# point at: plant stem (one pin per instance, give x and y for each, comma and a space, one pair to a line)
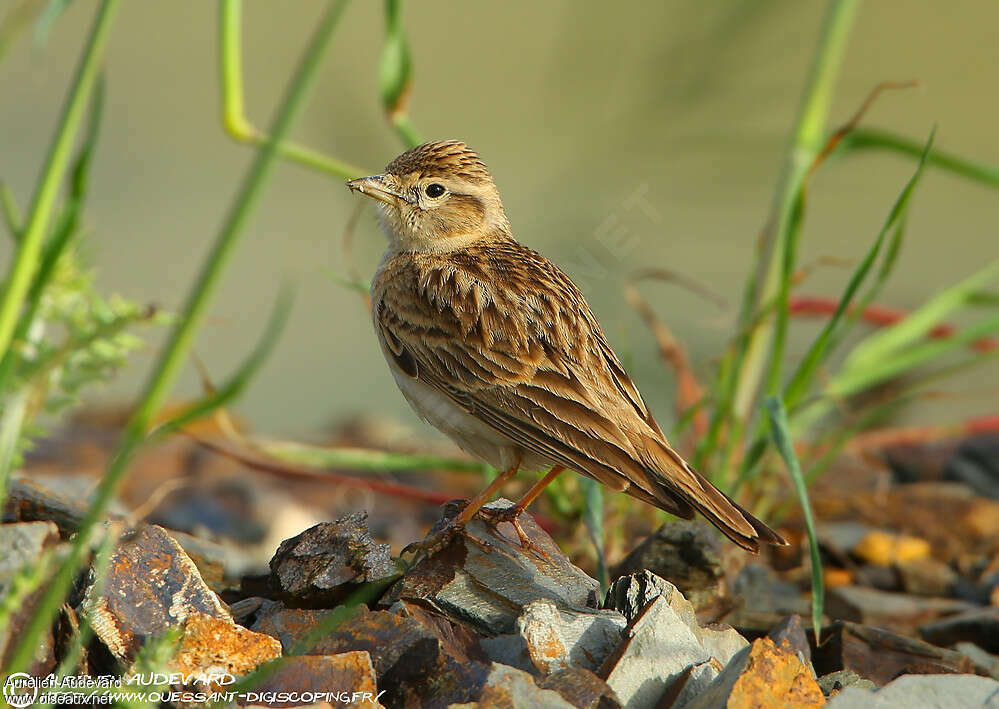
26, 261
175, 353
234, 118
807, 140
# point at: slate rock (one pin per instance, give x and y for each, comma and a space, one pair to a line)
764, 598
980, 626
835, 682
880, 655
420, 658
762, 675
789, 634
320, 566
923, 692
483, 577
633, 594
898, 611
548, 638
581, 688
976, 464
152, 584
31, 501
350, 674
658, 649
987, 662
687, 553
22, 544
287, 625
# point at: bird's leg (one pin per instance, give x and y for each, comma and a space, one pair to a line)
512, 514
472, 507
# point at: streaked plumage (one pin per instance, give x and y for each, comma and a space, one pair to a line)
494, 345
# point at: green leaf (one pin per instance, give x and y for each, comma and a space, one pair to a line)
593, 518
804, 374
782, 439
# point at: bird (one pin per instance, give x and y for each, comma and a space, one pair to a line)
494, 345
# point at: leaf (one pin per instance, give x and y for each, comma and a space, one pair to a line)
782, 439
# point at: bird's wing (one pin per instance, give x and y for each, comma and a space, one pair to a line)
529, 359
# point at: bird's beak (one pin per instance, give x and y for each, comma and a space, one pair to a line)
375, 186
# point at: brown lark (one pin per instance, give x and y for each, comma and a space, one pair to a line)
495, 346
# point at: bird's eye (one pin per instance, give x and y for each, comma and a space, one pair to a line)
434, 190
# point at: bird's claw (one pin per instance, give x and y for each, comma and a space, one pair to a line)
494, 517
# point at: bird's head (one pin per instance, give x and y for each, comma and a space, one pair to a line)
436, 197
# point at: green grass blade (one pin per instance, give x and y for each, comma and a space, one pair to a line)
593, 518
395, 70
362, 459
26, 261
174, 355
856, 379
782, 439
918, 324
804, 374
874, 139
236, 384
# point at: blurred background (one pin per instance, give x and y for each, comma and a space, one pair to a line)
650, 135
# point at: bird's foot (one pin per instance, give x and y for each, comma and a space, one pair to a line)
494, 517
449, 528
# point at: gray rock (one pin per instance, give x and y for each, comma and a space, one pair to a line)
632, 594
871, 606
987, 662
718, 690
659, 648
483, 577
980, 626
765, 599
790, 632
548, 638
837, 681
22, 545
321, 565
687, 553
151, 585
923, 692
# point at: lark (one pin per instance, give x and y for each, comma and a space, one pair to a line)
494, 345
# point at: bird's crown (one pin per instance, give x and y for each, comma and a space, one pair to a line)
441, 157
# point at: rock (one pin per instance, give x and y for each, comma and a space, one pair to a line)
765, 598
834, 682
226, 508
581, 688
633, 594
789, 634
687, 553
324, 563
762, 675
986, 663
29, 501
510, 688
977, 626
897, 611
927, 577
22, 545
923, 692
288, 625
880, 656
548, 638
659, 647
976, 464
349, 675
151, 585
212, 645
420, 658
483, 577
841, 537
